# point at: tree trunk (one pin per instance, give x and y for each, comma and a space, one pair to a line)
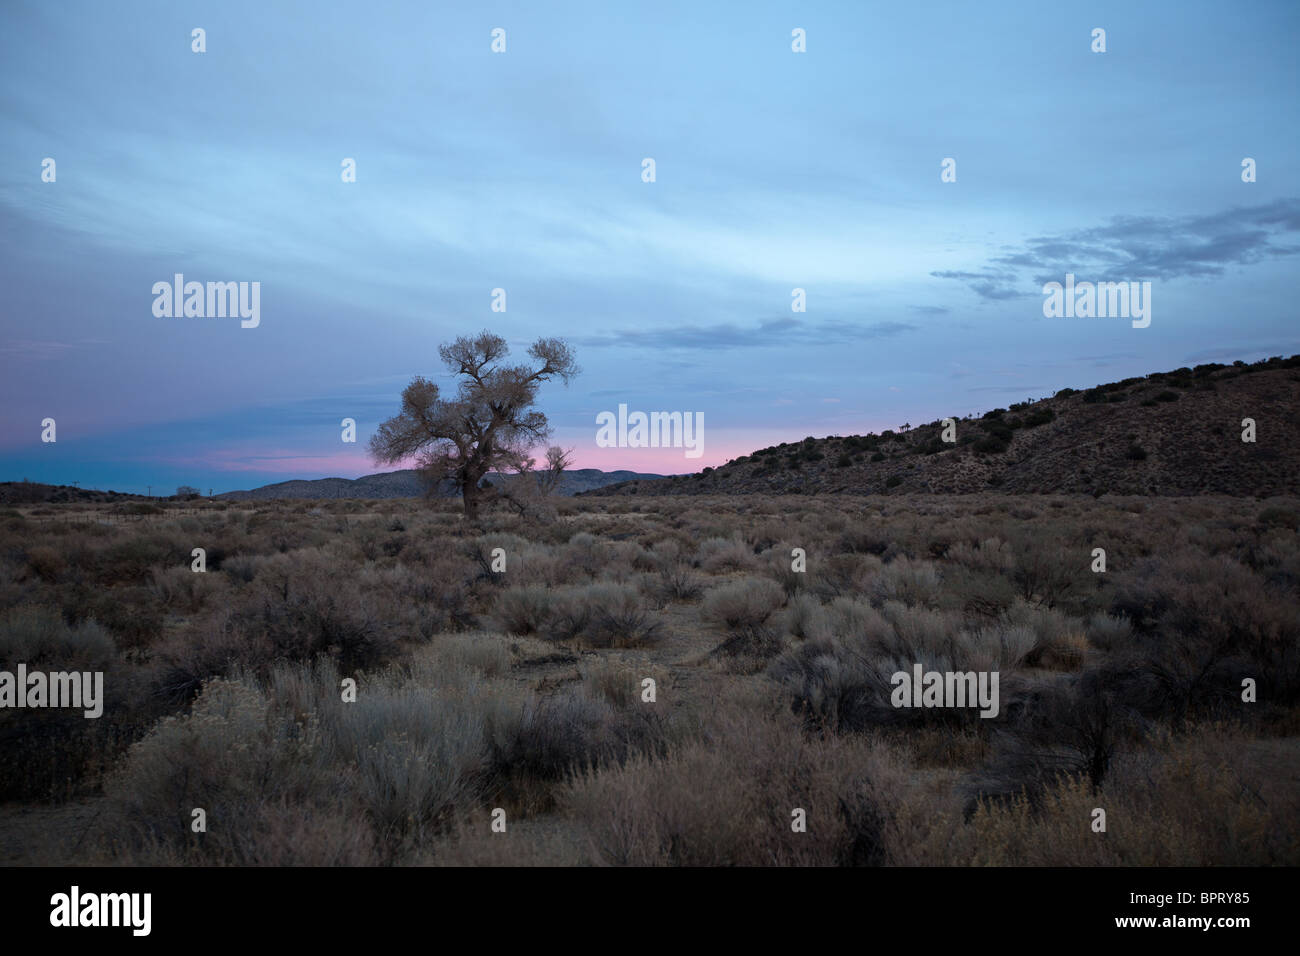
472, 495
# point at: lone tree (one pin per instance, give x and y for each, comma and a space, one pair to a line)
489, 426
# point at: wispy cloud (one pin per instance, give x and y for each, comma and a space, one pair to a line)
1243, 352
728, 335
37, 351
275, 462
991, 284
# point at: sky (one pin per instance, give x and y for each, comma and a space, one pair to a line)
522, 170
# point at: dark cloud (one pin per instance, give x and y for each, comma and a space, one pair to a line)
1136, 248
1154, 247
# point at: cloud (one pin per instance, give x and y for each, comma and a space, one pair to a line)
992, 284
728, 335
275, 461
1133, 248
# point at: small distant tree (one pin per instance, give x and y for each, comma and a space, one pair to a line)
529, 490
490, 424
187, 491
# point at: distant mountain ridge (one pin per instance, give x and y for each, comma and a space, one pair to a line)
1169, 433
39, 493
406, 483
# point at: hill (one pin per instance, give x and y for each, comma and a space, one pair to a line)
1168, 433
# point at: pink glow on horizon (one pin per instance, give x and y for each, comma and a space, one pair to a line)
277, 463
657, 461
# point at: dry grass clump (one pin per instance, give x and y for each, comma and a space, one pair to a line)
419, 753
621, 681
843, 575
597, 615
674, 580
742, 604
804, 618
482, 652
728, 798
187, 591
717, 554
914, 583
38, 636
526, 609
